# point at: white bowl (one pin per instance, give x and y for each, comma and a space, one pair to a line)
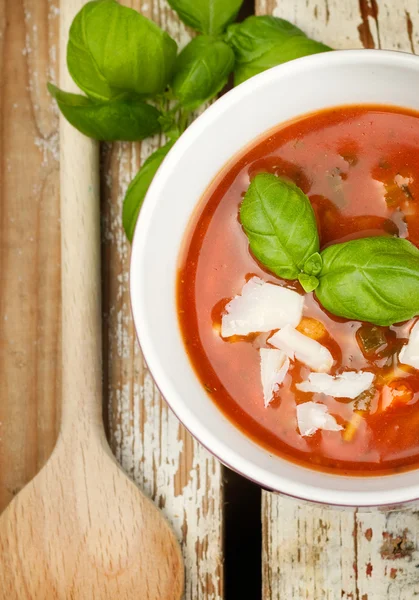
228, 126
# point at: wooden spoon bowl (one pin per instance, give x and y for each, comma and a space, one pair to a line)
81, 530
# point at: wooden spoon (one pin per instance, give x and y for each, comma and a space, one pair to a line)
81, 530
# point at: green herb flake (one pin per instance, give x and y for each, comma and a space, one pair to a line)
371, 339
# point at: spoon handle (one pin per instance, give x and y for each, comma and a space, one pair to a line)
80, 261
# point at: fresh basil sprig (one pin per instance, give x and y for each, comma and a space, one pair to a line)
260, 43
119, 59
201, 70
113, 50
207, 16
125, 119
371, 279
279, 222
374, 279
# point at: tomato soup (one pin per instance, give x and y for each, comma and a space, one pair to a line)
359, 167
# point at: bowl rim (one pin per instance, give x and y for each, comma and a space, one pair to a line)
224, 453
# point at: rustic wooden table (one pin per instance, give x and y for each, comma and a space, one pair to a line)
308, 552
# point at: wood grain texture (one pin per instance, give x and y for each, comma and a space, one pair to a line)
310, 552
81, 529
147, 439
30, 312
172, 468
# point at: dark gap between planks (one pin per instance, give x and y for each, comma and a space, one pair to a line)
242, 538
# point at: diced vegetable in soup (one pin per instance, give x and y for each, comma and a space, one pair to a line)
298, 291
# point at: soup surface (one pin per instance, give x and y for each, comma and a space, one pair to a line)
359, 166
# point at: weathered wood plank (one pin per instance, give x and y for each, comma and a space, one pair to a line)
303, 553
310, 552
29, 242
173, 469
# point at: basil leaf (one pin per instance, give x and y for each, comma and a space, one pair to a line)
371, 279
309, 282
260, 43
124, 120
138, 187
279, 222
201, 71
254, 36
207, 16
313, 264
114, 51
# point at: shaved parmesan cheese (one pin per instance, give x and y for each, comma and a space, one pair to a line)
402, 182
312, 416
409, 354
261, 307
274, 365
346, 385
298, 346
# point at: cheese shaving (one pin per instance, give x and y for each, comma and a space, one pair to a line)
409, 354
298, 346
261, 307
347, 385
312, 416
274, 365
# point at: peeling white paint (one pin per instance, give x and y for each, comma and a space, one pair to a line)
50, 148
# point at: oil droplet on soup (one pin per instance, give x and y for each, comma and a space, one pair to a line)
359, 167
